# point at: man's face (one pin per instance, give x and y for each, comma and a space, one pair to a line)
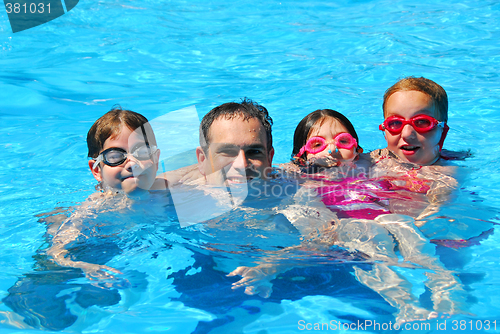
237, 152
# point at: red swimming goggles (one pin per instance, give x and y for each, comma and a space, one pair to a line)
318, 144
421, 124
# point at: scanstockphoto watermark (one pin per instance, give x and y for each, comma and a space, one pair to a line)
365, 325
232, 182
26, 14
339, 180
464, 326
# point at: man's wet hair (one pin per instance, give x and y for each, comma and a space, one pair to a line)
247, 109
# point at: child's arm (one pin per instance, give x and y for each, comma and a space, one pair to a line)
442, 189
59, 255
427, 186
307, 215
257, 280
67, 233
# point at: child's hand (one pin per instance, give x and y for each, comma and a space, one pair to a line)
101, 273
324, 161
256, 280
414, 313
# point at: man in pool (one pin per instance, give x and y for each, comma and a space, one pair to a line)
235, 146
236, 143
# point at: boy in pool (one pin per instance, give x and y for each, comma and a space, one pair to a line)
124, 160
123, 152
328, 137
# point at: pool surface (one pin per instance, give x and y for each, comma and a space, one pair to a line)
293, 57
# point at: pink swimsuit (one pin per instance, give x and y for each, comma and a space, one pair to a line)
355, 198
364, 198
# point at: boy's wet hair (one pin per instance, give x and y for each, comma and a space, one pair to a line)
308, 123
426, 86
109, 126
246, 109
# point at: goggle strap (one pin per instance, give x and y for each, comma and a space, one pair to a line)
301, 152
97, 161
446, 128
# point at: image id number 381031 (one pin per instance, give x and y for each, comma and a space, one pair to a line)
25, 8
472, 325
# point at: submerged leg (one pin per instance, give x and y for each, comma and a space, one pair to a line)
373, 239
396, 290
447, 293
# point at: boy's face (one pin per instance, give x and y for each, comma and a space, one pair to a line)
238, 148
409, 145
132, 175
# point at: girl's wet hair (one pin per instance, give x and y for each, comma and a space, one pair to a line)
109, 126
306, 125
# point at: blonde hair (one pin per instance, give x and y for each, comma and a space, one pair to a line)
426, 86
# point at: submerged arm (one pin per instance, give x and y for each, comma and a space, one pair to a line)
69, 232
308, 217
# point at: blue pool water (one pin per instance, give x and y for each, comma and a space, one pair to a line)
156, 57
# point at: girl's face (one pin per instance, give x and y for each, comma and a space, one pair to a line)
410, 145
328, 128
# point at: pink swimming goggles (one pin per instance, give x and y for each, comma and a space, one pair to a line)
317, 144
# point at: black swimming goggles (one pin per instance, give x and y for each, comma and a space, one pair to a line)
116, 156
